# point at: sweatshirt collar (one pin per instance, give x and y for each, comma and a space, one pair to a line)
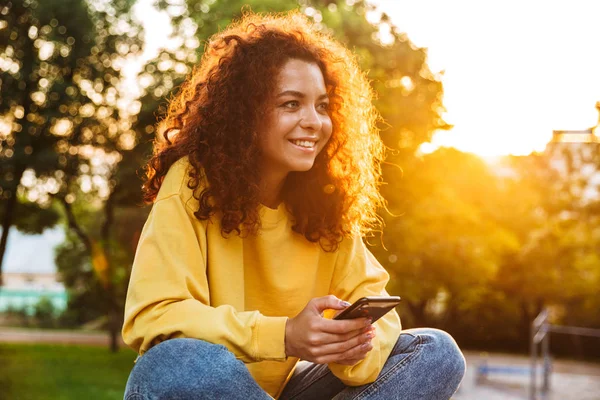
272, 216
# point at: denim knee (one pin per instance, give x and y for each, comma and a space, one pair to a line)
184, 369
450, 362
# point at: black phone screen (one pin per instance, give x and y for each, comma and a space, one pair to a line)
374, 307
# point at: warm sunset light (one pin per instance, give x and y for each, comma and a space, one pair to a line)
514, 71
219, 178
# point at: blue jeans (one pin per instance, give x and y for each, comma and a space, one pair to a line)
424, 364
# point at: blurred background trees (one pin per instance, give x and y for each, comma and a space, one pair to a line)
472, 247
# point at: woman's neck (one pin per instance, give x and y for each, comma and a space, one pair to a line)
270, 189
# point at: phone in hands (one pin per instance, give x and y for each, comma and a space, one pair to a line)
373, 307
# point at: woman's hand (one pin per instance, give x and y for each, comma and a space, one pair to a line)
311, 337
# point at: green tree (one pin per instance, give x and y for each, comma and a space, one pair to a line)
446, 242
36, 104
63, 100
45, 313
555, 262
113, 138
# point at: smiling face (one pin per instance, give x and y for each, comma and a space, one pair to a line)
298, 125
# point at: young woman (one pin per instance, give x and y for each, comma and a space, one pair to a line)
266, 180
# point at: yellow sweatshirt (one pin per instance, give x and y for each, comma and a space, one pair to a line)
189, 281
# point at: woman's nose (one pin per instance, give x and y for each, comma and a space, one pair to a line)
311, 119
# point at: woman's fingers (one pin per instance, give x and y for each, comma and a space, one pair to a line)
311, 337
320, 304
324, 338
348, 357
344, 343
343, 326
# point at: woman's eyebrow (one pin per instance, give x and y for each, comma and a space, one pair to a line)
298, 94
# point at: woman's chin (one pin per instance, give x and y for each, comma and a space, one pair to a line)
302, 167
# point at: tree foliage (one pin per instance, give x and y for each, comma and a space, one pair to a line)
67, 115
58, 90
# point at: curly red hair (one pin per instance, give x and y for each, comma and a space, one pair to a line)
214, 117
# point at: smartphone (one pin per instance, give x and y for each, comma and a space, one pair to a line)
374, 307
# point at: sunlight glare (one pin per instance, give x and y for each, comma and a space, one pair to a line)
513, 71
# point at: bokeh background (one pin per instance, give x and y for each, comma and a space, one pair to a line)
492, 175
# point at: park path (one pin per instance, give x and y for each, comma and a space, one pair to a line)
19, 335
571, 380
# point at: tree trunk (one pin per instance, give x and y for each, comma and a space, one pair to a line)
112, 309
87, 242
526, 320
112, 304
448, 317
113, 327
418, 312
9, 217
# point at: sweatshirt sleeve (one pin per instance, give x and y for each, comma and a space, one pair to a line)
359, 274
168, 294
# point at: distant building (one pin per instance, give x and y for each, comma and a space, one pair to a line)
578, 148
590, 135
23, 290
30, 273
574, 148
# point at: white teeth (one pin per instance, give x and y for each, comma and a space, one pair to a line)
304, 143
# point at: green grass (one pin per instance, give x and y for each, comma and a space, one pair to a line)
63, 372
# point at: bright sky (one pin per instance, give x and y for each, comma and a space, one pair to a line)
514, 70
32, 253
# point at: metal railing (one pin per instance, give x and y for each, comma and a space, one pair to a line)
540, 333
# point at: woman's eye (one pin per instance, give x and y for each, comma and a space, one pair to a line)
291, 104
323, 106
